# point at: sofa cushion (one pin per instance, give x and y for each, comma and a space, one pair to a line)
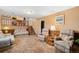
62, 44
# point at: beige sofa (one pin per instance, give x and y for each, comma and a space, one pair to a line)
20, 30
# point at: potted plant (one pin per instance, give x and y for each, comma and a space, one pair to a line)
77, 42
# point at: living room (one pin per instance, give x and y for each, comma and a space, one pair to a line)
50, 31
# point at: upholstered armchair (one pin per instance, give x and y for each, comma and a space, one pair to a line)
64, 41
6, 39
43, 35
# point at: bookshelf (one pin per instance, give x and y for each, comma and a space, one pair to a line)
12, 21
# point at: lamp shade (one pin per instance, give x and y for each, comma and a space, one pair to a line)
52, 28
6, 27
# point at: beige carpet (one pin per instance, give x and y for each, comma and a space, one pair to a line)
29, 44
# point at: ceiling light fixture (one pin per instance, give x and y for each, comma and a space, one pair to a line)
29, 12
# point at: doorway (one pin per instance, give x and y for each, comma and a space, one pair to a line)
42, 25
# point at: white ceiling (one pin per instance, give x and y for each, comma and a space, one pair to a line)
37, 11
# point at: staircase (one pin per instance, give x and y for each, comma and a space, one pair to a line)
31, 30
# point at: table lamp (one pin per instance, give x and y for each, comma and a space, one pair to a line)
52, 28
6, 29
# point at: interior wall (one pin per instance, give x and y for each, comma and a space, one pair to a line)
0, 23
36, 26
71, 19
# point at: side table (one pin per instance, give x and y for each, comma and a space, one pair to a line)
49, 40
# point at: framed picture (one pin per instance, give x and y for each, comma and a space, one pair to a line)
60, 19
